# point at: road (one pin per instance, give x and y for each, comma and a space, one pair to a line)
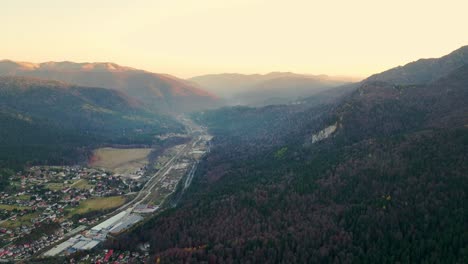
149, 185
159, 176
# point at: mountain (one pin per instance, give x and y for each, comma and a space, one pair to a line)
271, 88
383, 109
156, 91
375, 176
228, 84
424, 70
52, 121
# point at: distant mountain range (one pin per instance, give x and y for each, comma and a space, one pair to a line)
271, 88
160, 92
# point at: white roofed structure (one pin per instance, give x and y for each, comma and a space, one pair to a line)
59, 248
109, 223
91, 245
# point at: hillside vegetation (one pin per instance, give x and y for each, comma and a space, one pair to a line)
53, 122
387, 185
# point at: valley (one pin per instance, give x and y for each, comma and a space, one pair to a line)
72, 202
273, 146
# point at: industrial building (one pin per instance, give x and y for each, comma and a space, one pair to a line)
126, 223
97, 234
59, 248
109, 223
73, 244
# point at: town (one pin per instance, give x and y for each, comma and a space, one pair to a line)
50, 211
44, 204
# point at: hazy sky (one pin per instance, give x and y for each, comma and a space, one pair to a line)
192, 37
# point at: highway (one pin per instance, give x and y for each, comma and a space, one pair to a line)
160, 175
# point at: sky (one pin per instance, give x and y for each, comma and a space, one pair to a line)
194, 37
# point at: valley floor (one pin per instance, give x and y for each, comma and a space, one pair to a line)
137, 196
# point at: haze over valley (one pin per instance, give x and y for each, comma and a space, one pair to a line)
271, 88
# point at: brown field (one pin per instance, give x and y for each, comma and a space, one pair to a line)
122, 161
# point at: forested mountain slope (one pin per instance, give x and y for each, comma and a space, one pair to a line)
386, 184
383, 109
55, 122
424, 70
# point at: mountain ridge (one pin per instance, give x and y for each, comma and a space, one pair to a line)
161, 92
257, 89
424, 70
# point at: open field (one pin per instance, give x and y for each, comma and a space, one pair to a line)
97, 204
55, 186
24, 197
122, 161
79, 184
13, 207
82, 184
20, 221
